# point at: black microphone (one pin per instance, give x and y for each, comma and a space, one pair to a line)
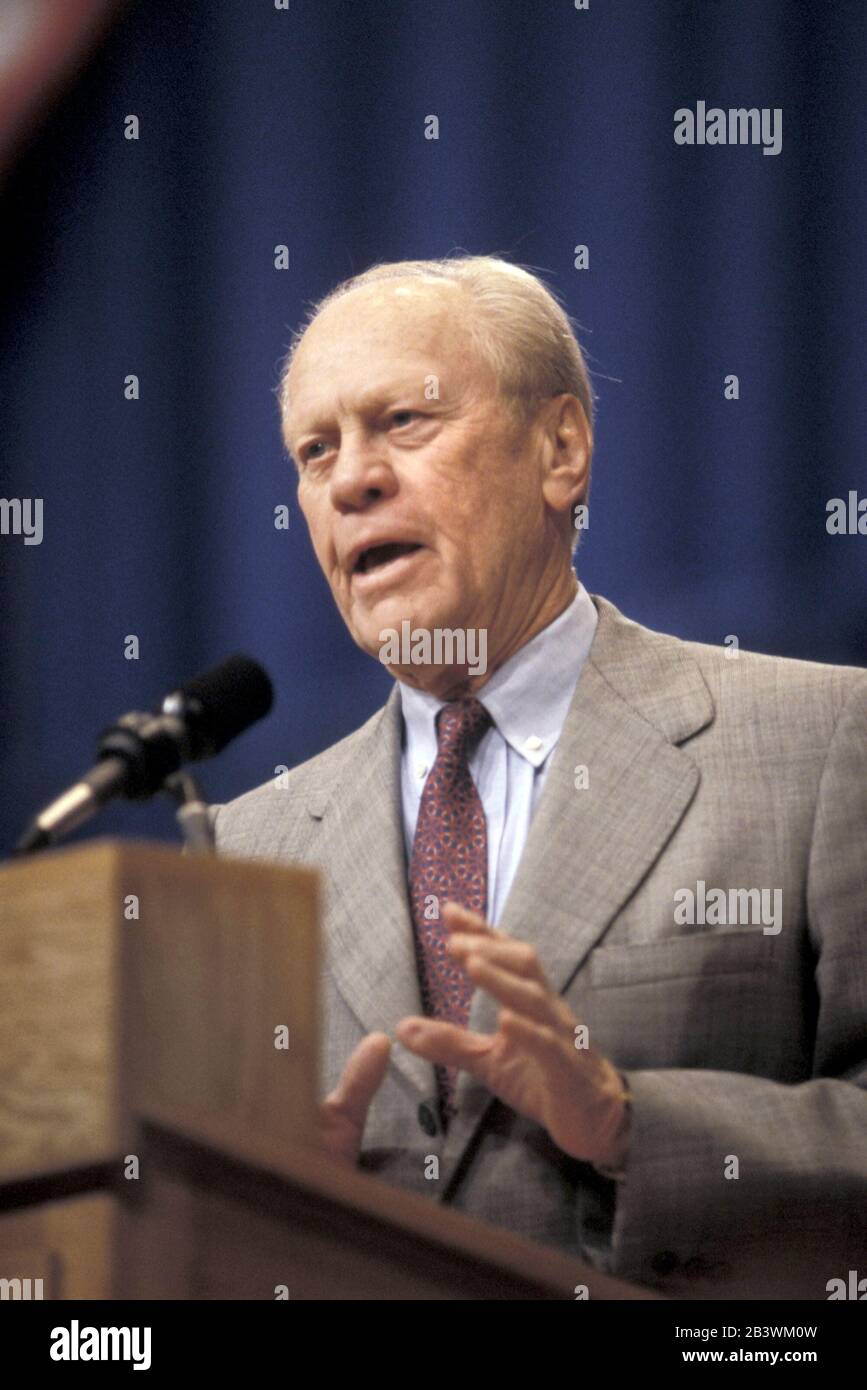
140, 751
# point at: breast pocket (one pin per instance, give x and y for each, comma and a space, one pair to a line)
718, 1001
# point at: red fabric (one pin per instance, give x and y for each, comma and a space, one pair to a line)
41, 43
449, 864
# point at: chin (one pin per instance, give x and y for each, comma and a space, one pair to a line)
392, 610
365, 630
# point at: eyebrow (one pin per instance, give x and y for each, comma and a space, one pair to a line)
371, 401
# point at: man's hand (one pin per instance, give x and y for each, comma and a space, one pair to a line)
531, 1063
343, 1113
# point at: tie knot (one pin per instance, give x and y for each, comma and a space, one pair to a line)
460, 724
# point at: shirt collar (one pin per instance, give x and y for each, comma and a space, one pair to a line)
528, 698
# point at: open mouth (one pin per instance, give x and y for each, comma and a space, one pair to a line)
376, 557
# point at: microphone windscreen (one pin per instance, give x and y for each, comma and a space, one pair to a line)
223, 702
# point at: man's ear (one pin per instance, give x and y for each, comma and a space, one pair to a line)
568, 448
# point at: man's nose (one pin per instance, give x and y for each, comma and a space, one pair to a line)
361, 473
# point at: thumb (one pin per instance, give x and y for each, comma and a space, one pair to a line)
361, 1078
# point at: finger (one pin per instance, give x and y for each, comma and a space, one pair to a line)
361, 1078
529, 998
539, 1040
458, 918
446, 1043
517, 956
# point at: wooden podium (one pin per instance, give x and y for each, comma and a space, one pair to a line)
158, 1086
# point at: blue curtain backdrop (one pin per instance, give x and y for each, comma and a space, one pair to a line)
305, 127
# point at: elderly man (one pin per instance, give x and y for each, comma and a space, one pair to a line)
555, 994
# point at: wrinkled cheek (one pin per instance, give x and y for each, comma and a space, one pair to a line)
340, 590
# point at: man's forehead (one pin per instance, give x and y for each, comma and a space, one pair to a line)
377, 335
421, 312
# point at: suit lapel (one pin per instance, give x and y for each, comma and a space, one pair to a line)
367, 921
638, 696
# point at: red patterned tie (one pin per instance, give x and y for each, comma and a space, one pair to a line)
449, 864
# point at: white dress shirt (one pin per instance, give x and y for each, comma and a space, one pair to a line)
528, 699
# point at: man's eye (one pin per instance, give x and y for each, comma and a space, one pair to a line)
309, 452
403, 417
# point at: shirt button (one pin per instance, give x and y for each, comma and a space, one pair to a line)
421, 769
532, 744
427, 1118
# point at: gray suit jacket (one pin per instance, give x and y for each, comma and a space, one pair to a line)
746, 1051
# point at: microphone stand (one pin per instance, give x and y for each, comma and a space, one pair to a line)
192, 816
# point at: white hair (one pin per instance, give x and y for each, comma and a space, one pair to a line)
519, 327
